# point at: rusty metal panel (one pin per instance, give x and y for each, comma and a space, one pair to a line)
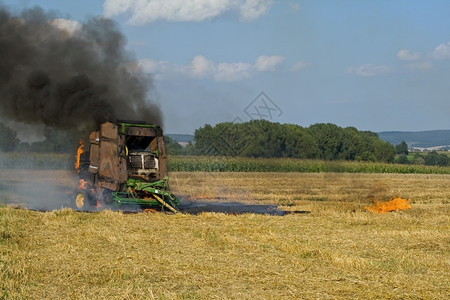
140, 131
108, 131
162, 158
108, 164
121, 141
114, 186
123, 170
154, 145
93, 151
93, 157
94, 137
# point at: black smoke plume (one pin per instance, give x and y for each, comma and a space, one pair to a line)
67, 78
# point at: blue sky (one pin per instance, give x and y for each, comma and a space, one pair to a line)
376, 65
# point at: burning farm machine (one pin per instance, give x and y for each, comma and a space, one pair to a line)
126, 165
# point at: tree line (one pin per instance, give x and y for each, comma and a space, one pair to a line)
264, 139
257, 139
261, 138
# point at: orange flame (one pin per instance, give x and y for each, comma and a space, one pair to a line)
395, 203
77, 157
99, 204
82, 185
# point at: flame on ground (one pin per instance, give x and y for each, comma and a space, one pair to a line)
395, 203
77, 157
82, 184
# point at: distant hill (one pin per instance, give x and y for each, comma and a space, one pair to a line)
422, 139
181, 138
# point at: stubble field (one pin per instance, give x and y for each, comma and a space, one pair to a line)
334, 249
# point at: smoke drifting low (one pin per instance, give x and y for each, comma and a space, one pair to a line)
66, 75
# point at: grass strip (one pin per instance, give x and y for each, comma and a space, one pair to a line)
57, 161
225, 164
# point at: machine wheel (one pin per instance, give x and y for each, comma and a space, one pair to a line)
82, 200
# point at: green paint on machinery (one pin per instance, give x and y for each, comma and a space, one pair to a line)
126, 165
147, 194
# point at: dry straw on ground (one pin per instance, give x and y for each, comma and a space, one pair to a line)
337, 251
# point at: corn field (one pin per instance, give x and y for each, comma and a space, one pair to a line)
54, 161
224, 164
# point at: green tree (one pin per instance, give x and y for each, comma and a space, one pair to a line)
229, 138
418, 159
353, 144
8, 138
402, 159
298, 143
383, 151
261, 138
204, 141
329, 139
402, 148
436, 159
172, 147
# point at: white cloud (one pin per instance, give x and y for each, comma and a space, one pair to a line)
160, 69
253, 9
145, 11
407, 55
441, 52
201, 67
233, 71
300, 65
268, 63
66, 25
368, 70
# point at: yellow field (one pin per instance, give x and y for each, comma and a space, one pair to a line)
336, 251
305, 190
